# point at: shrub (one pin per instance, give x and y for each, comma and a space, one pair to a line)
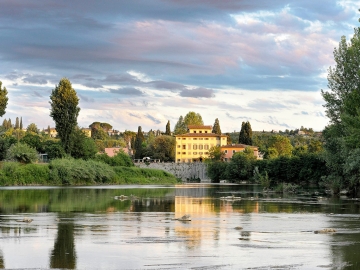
22, 153
120, 159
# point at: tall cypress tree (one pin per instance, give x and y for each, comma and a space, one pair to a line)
216, 128
64, 111
17, 124
138, 143
245, 136
168, 132
21, 124
9, 124
3, 99
4, 124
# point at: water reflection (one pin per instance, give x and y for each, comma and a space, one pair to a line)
64, 254
136, 228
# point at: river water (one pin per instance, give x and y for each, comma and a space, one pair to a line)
136, 227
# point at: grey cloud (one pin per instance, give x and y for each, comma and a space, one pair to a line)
128, 91
197, 93
273, 121
266, 105
86, 99
167, 85
134, 115
121, 78
152, 118
36, 94
93, 85
35, 80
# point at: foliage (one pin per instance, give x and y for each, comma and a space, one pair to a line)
74, 172
281, 144
3, 99
138, 144
180, 127
245, 136
33, 140
263, 179
134, 175
82, 146
15, 174
163, 148
64, 111
5, 143
168, 130
99, 130
342, 107
120, 159
216, 128
192, 118
128, 137
216, 170
17, 124
215, 153
22, 153
53, 149
240, 166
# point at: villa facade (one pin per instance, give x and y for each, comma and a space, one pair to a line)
195, 145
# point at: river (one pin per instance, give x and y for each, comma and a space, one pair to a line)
137, 227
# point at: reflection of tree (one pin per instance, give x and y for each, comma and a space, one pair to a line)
64, 254
2, 262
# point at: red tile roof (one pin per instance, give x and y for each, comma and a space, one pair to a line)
199, 127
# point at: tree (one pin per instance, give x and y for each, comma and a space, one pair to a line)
163, 148
128, 136
32, 128
192, 118
241, 166
3, 99
168, 132
17, 124
5, 124
180, 127
82, 146
245, 136
215, 153
281, 144
33, 140
21, 152
138, 143
21, 123
64, 111
216, 128
341, 136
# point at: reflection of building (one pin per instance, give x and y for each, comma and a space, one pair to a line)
195, 145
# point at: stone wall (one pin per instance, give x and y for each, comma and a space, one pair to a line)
184, 171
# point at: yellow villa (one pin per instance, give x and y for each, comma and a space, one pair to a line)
195, 145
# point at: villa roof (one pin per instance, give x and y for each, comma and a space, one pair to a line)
199, 127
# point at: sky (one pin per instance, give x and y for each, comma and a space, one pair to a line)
142, 63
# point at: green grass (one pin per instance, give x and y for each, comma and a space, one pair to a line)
79, 172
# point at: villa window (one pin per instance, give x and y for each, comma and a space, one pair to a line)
194, 146
179, 146
206, 147
234, 151
205, 131
226, 151
200, 131
178, 153
194, 153
200, 147
184, 147
184, 153
194, 131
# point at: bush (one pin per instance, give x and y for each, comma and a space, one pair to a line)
13, 173
71, 171
22, 153
120, 159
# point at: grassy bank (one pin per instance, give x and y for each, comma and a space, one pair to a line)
79, 172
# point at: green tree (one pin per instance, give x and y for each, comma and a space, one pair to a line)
82, 146
281, 144
139, 143
53, 149
33, 140
216, 128
245, 136
64, 111
99, 130
21, 123
5, 124
3, 99
32, 128
241, 166
17, 124
5, 143
168, 132
215, 153
22, 153
163, 148
192, 118
180, 127
341, 136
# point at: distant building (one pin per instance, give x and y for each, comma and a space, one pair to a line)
112, 151
87, 132
53, 133
231, 149
195, 145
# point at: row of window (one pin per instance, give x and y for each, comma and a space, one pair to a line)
194, 153
196, 138
233, 151
195, 147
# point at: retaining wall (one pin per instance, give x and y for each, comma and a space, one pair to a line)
185, 171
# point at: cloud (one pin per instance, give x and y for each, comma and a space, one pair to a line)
86, 99
128, 91
93, 85
152, 118
197, 93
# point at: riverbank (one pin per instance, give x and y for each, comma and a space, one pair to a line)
80, 172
